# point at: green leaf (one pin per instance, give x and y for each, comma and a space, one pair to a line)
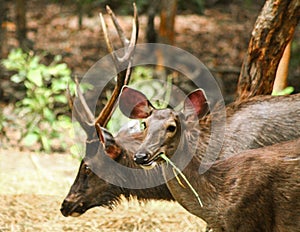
57, 58
60, 70
49, 115
30, 139
28, 101
58, 85
61, 99
42, 102
63, 122
16, 78
64, 118
29, 85
34, 62
55, 134
35, 77
46, 143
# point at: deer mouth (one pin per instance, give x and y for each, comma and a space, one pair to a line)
73, 209
149, 165
152, 162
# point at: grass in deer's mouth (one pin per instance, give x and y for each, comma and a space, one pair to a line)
164, 157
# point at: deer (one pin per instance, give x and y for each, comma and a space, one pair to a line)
89, 189
242, 190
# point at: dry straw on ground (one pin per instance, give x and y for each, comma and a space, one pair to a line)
32, 188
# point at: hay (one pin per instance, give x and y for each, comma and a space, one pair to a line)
30, 199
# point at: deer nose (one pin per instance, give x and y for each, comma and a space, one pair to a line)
65, 207
141, 158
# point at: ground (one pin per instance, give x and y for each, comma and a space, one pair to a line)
33, 186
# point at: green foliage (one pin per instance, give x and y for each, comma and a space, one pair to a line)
45, 102
7, 120
3, 125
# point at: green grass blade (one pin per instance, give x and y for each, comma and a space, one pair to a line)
163, 156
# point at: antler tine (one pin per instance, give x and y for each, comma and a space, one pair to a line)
132, 43
124, 76
86, 109
135, 26
120, 31
133, 39
106, 36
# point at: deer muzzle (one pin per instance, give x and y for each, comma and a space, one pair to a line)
145, 160
72, 206
141, 158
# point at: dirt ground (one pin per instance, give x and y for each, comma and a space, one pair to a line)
32, 187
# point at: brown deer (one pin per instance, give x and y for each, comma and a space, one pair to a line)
89, 189
255, 190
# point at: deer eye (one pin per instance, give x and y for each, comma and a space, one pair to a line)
87, 169
143, 125
171, 128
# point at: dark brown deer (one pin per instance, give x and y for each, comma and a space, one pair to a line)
255, 190
89, 189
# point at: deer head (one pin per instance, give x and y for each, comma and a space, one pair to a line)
88, 189
162, 127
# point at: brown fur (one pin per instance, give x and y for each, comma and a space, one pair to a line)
257, 190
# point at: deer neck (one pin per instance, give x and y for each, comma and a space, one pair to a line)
207, 185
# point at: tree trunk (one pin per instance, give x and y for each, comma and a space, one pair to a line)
3, 15
79, 7
167, 21
21, 23
166, 33
151, 35
273, 30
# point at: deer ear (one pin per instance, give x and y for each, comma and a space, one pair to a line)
113, 151
196, 104
111, 148
134, 104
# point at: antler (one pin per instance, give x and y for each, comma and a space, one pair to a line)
81, 111
123, 76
